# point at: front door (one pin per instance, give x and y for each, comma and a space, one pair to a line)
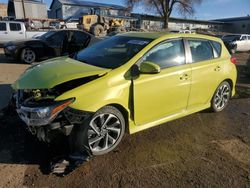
164, 94
16, 31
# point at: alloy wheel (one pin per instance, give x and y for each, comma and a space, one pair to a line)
28, 56
222, 97
104, 131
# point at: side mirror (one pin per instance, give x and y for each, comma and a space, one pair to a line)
148, 67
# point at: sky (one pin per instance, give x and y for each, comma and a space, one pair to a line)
207, 10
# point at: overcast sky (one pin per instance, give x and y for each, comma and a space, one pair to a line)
209, 9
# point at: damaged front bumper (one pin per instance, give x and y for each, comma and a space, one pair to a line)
47, 118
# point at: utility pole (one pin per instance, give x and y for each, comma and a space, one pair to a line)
24, 14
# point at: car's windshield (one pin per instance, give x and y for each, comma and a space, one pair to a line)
112, 52
47, 35
231, 37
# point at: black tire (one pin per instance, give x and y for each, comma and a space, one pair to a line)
27, 55
120, 29
221, 97
98, 30
83, 134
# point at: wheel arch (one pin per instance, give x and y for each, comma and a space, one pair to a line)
124, 112
230, 83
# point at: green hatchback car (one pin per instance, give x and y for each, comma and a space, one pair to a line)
131, 82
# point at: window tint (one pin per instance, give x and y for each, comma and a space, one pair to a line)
167, 54
79, 38
15, 27
244, 38
58, 38
3, 27
217, 47
201, 50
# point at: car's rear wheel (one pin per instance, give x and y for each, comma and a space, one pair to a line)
28, 55
221, 97
106, 129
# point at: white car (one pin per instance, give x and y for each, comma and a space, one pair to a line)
239, 42
13, 30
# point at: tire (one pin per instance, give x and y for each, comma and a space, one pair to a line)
85, 136
28, 55
120, 29
221, 97
97, 30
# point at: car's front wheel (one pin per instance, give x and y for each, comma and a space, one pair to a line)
221, 97
28, 55
106, 129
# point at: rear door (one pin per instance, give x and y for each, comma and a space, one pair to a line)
206, 71
78, 41
16, 31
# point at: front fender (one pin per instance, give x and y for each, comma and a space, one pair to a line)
98, 93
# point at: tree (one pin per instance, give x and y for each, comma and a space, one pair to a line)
165, 7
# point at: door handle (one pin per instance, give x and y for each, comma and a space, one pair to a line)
217, 68
5, 32
185, 76
21, 33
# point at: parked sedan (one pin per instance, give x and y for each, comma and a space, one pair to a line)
50, 44
132, 82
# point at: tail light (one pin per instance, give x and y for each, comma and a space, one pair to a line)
233, 60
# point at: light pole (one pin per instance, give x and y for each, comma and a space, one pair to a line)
24, 14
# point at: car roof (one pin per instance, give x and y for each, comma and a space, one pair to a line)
156, 35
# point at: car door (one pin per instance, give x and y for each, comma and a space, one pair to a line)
16, 31
242, 43
164, 94
58, 43
248, 43
78, 41
3, 32
206, 71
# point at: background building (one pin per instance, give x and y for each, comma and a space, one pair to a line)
20, 9
3, 10
64, 9
151, 22
236, 25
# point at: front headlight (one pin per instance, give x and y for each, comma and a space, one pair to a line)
11, 48
39, 116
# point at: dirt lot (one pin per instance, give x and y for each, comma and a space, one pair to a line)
201, 150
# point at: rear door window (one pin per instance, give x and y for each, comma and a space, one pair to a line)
217, 48
15, 27
201, 50
3, 27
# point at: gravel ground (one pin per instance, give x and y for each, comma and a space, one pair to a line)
201, 150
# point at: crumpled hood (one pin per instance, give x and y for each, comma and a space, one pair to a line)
52, 72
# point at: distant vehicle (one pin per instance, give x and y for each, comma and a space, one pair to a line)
187, 31
70, 24
102, 21
237, 42
51, 44
13, 30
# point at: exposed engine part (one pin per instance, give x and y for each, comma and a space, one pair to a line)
76, 116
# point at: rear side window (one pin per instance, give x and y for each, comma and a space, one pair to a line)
3, 27
201, 50
167, 54
15, 27
217, 48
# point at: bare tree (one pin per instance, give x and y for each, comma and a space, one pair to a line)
165, 7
